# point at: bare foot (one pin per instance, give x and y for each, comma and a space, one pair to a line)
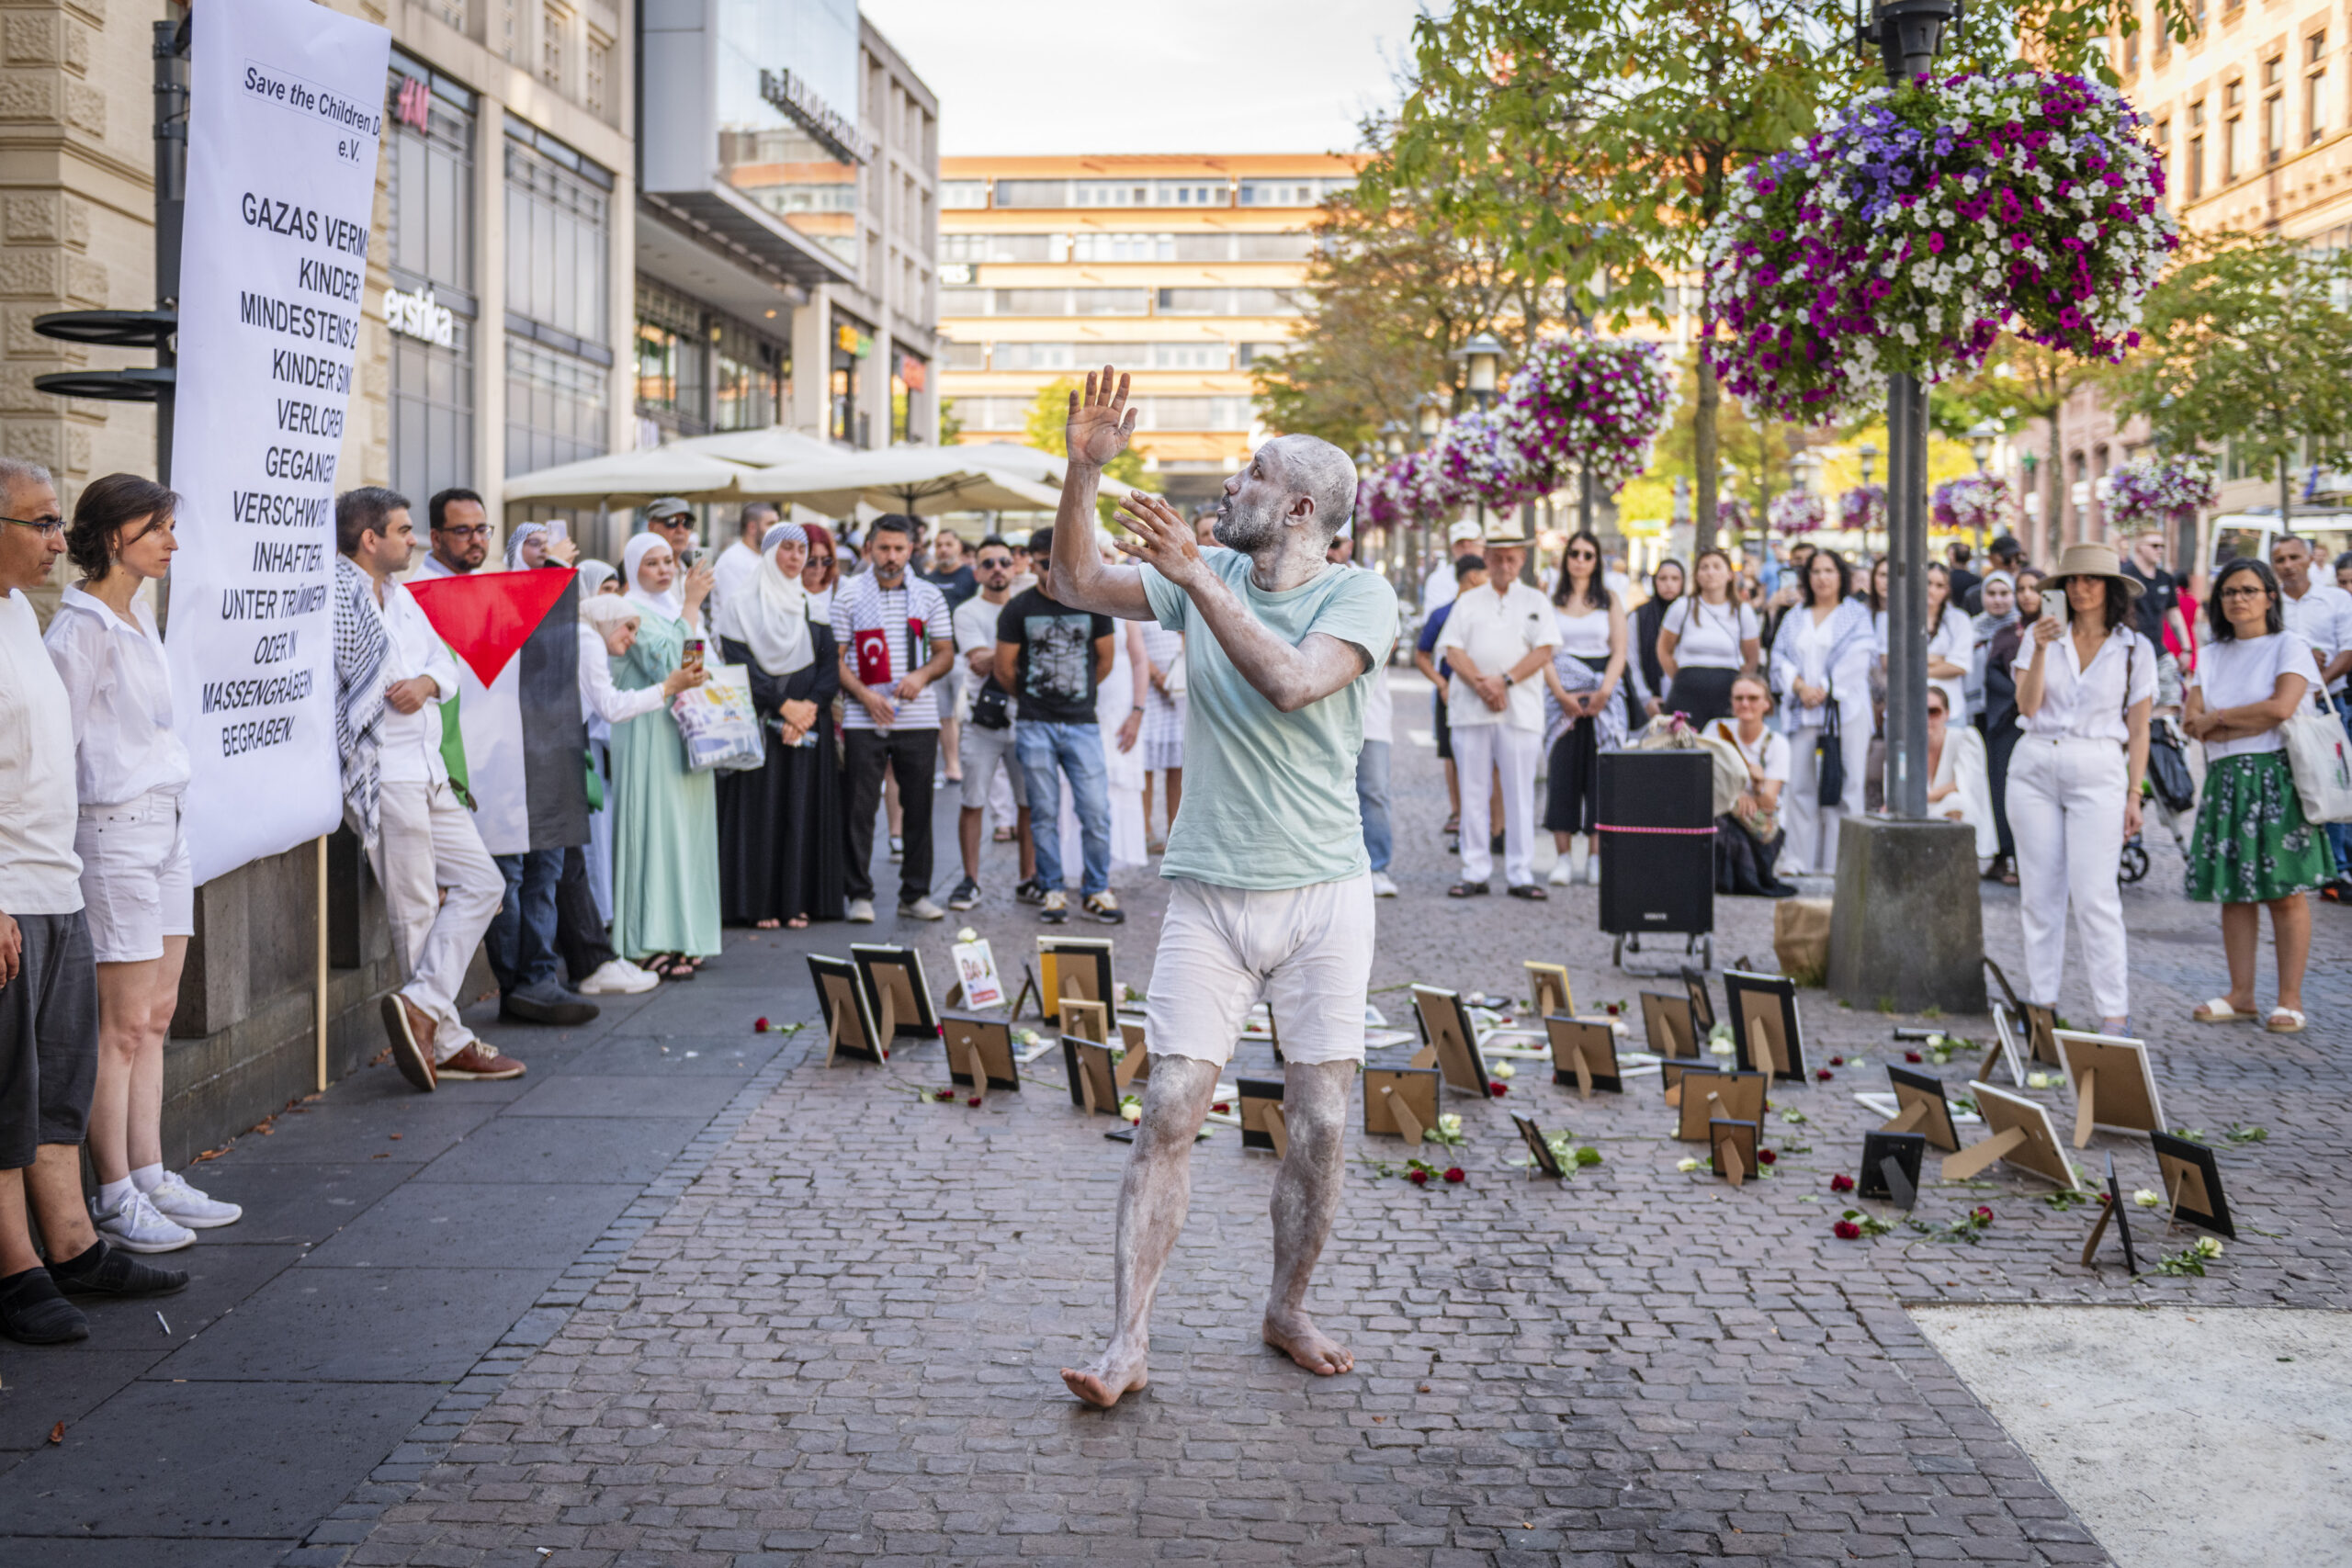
1110, 1379
1295, 1336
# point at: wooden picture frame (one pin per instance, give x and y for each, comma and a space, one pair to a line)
1136, 1066
1920, 1108
2021, 1133
2114, 1084
1094, 1077
1666, 1024
1702, 1005
2041, 1023
1672, 1074
2190, 1178
1086, 1020
1546, 1162
1449, 1040
2005, 1048
1260, 1101
1908, 1154
896, 991
1548, 990
1400, 1102
1583, 1055
1731, 1148
850, 1029
1073, 965
1729, 1097
970, 1035
1765, 1029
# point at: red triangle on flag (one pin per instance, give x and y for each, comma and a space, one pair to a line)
487, 616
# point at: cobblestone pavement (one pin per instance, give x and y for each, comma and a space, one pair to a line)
838, 1342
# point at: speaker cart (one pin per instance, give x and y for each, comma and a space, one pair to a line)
1658, 855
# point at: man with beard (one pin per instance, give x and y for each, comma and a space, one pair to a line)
1271, 890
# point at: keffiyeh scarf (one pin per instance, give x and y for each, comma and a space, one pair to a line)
360, 649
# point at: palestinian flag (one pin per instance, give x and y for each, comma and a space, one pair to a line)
517, 742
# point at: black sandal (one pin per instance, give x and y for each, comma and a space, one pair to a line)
1528, 891
1468, 891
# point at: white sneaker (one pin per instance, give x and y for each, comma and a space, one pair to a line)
1562, 872
1383, 886
176, 1199
617, 978
135, 1227
1592, 870
860, 912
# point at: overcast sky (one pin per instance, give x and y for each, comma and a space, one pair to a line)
1194, 76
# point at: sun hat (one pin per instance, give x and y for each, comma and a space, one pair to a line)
2091, 558
1463, 532
1504, 529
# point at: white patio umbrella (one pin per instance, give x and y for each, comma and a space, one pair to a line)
922, 481
1031, 464
759, 448
631, 478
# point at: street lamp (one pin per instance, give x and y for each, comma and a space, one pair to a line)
1430, 417
1392, 438
1484, 356
1980, 442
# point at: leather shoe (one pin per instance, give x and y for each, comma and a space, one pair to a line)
412, 1033
480, 1061
546, 1003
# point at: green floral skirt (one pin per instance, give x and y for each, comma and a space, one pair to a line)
2252, 845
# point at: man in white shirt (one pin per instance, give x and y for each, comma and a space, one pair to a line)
2321, 614
460, 528
1497, 639
985, 741
1372, 763
739, 561
422, 840
1441, 583
895, 640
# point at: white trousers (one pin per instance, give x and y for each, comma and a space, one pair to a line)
1479, 751
429, 843
1813, 828
2066, 804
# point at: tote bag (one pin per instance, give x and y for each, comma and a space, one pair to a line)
2321, 760
717, 722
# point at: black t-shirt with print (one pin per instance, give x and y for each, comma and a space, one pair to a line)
2159, 596
1054, 671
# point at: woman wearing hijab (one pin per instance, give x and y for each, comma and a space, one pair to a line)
535, 545
780, 826
596, 578
1665, 588
665, 828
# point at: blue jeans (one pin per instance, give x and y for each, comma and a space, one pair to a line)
2339, 834
1371, 799
1046, 752
521, 938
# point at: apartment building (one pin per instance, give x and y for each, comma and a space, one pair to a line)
1182, 270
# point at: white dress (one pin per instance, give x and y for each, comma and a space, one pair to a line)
1123, 771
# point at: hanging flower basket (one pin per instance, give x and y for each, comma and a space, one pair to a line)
1923, 222
2152, 490
1588, 401
1797, 512
1732, 515
1862, 507
1481, 460
1975, 501
1411, 489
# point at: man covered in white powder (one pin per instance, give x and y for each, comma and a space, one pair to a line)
1271, 892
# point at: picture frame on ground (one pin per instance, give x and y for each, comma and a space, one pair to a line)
1136, 1066
2005, 1041
1260, 1101
1702, 1005
1905, 1154
1920, 1108
1731, 1148
1086, 1020
1400, 1102
2040, 1023
1583, 1055
990, 1040
2020, 1133
1765, 1029
1732, 1097
896, 991
2114, 1084
1546, 1162
1449, 1040
1666, 1024
1073, 965
977, 979
1673, 1073
2189, 1176
850, 1027
1094, 1077
2112, 1213
1548, 989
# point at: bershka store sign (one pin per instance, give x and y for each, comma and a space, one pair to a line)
420, 316
283, 128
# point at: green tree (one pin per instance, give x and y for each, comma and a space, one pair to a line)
2244, 343
2021, 381
1044, 425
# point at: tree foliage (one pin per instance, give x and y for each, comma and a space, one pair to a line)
1044, 424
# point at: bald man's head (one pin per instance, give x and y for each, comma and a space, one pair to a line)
1292, 481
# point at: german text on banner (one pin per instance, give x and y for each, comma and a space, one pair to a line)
286, 114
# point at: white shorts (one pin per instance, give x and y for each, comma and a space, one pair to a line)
135, 883
1306, 951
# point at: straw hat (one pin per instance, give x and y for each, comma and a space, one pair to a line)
2091, 559
1504, 529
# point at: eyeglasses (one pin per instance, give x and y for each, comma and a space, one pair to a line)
47, 528
480, 531
2257, 592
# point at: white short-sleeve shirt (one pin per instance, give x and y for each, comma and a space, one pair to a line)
2089, 704
1497, 630
1768, 756
2246, 670
1710, 635
2322, 618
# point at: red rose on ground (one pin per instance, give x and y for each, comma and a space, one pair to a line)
1913, 1056
1841, 1183
1847, 1230
1455, 1173
1766, 1157
1418, 1177
1836, 1061
1982, 1215
1822, 1075
1221, 1108
942, 1095
1498, 1090
759, 1026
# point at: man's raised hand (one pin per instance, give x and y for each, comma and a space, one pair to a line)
1160, 537
1100, 419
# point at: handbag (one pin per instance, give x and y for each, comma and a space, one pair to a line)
1829, 755
2168, 772
1173, 682
2320, 758
718, 723
992, 707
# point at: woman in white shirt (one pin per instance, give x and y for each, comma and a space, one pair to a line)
1958, 787
1820, 668
129, 769
1750, 836
1950, 638
2253, 845
1707, 639
2085, 684
1587, 718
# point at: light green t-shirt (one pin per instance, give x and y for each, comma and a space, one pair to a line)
1269, 797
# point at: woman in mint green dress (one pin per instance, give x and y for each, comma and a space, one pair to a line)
665, 824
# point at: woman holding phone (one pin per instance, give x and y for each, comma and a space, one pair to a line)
665, 831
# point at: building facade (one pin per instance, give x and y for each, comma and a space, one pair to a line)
1181, 270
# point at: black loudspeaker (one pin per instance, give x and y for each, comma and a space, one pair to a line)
1658, 842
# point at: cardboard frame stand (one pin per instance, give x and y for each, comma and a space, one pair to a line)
1095, 1082
1731, 1149
1672, 1075
1548, 990
1920, 1107
1666, 1025
1584, 1053
1073, 966
1891, 1167
2040, 1022
850, 1026
897, 990
1729, 1097
2021, 1133
1261, 1115
1086, 1020
979, 1053
1546, 1162
2190, 1178
1400, 1102
2114, 1084
1449, 1040
1765, 1029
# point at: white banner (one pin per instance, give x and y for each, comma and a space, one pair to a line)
285, 114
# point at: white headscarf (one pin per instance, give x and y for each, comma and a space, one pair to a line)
515, 542
770, 612
608, 610
670, 603
594, 575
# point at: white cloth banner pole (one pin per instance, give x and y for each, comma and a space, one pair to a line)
285, 117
